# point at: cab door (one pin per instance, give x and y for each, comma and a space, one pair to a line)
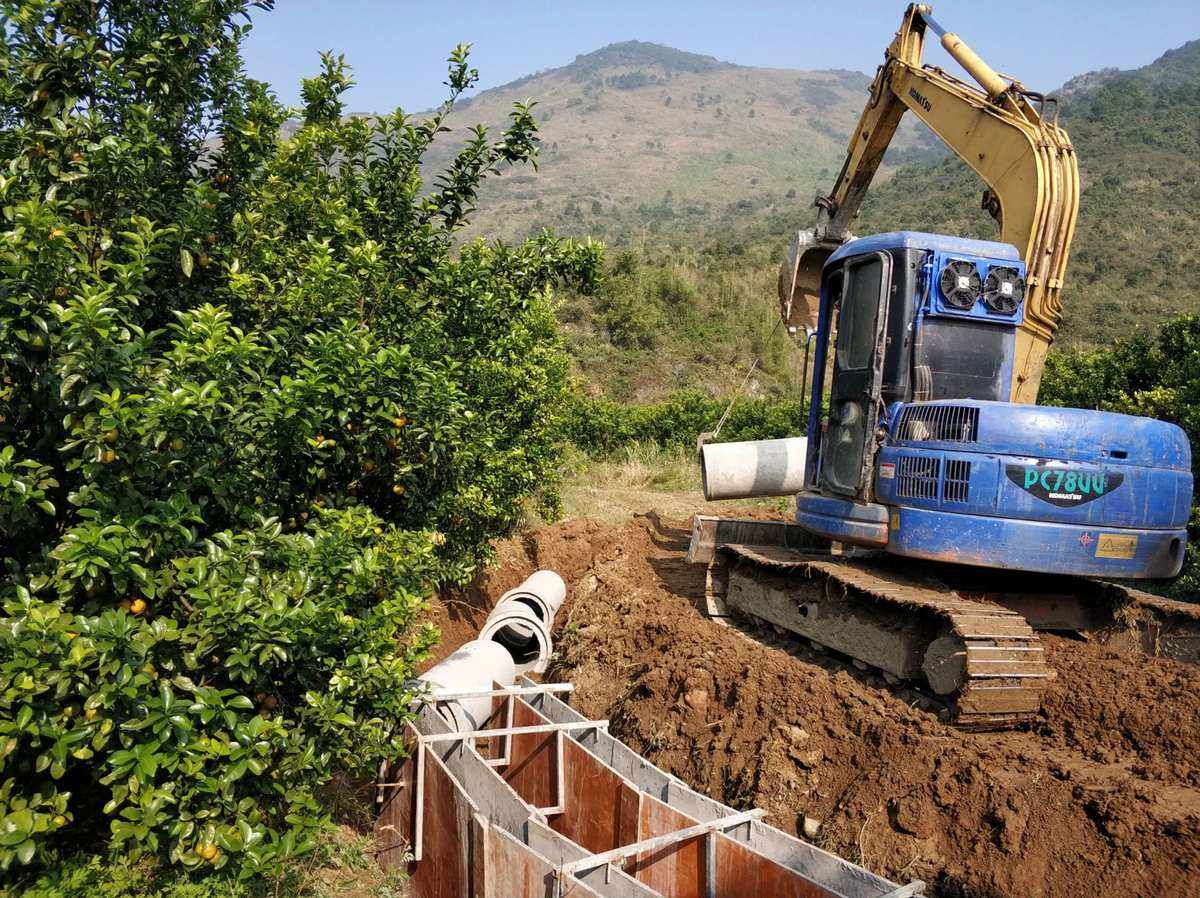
848, 444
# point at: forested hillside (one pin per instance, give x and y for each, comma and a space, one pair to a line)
696, 312
644, 142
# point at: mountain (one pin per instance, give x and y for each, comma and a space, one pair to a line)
638, 138
1137, 244
696, 170
697, 312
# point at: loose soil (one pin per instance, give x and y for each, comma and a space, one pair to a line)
1102, 796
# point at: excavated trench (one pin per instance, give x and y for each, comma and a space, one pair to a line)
1100, 796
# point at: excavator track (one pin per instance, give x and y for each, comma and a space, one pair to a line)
984, 662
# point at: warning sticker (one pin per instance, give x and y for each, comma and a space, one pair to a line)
1112, 545
887, 471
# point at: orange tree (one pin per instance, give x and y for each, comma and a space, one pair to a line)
254, 406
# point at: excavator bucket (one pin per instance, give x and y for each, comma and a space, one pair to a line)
800, 279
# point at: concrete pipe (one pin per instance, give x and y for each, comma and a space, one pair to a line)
543, 591
753, 469
517, 627
473, 667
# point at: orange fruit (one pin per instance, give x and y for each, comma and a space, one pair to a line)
60, 820
398, 489
137, 606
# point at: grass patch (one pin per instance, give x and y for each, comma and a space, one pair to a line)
640, 477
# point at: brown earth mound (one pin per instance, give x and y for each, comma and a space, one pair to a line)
1101, 797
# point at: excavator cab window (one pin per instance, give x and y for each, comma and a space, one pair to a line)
847, 446
961, 359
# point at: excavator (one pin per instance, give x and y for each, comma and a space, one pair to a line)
942, 517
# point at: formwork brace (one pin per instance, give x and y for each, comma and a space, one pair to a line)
469, 737
514, 731
535, 689
507, 693
606, 858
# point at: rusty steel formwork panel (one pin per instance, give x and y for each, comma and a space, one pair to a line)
678, 869
600, 804
423, 794
817, 867
608, 818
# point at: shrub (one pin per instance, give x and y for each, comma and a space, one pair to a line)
601, 425
252, 410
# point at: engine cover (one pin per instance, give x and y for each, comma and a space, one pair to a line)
1035, 488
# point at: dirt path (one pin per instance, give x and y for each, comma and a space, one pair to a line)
1102, 797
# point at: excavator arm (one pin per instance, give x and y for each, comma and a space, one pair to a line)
1000, 131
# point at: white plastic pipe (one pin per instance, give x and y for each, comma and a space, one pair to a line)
752, 469
473, 667
543, 591
518, 628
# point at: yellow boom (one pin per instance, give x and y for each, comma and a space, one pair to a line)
999, 130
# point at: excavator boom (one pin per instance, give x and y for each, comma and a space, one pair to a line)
1000, 130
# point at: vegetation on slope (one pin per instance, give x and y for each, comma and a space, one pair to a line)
253, 408
1138, 236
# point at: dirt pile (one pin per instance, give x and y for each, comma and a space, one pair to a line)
1102, 797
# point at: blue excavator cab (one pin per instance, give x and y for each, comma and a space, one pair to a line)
920, 453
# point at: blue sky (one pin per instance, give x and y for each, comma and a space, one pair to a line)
398, 49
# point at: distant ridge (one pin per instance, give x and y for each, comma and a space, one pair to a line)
640, 138
641, 53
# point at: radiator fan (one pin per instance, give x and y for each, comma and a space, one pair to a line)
960, 283
1003, 290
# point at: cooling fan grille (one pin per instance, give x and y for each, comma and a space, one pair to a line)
1003, 290
960, 283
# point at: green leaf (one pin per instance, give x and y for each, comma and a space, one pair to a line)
185, 262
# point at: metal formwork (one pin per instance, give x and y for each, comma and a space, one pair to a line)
541, 801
